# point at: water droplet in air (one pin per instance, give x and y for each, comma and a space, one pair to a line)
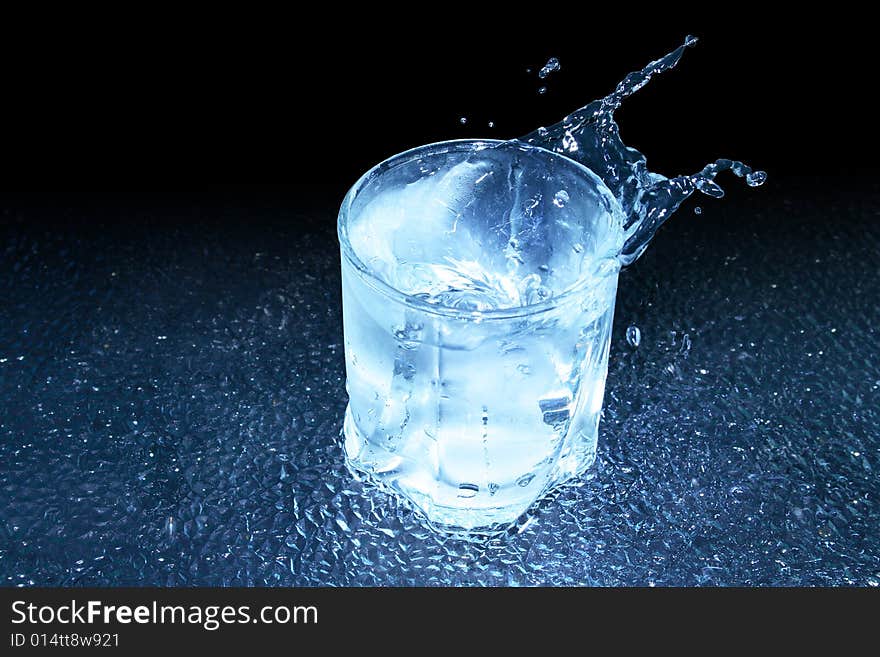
466, 491
542, 90
524, 369
493, 488
756, 178
463, 120
698, 210
561, 198
548, 68
491, 124
525, 480
634, 336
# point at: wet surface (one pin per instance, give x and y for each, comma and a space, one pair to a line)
172, 390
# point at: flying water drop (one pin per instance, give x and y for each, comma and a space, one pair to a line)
551, 66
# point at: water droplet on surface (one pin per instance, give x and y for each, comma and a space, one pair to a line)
467, 491
634, 336
561, 198
685, 345
548, 68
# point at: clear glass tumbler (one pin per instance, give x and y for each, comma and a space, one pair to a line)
479, 280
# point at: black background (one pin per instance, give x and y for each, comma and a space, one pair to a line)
263, 105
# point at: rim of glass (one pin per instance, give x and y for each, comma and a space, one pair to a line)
612, 265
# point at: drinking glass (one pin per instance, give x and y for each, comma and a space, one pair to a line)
479, 280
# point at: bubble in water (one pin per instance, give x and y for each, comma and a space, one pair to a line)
542, 90
463, 120
698, 210
561, 198
756, 178
467, 491
634, 336
548, 68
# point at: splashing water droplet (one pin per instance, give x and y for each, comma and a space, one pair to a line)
491, 124
542, 90
561, 198
548, 68
463, 120
634, 336
710, 188
756, 178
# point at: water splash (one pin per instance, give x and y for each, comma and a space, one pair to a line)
591, 136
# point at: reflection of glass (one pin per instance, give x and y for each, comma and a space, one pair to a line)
478, 292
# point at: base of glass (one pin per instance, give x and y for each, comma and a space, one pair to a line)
383, 469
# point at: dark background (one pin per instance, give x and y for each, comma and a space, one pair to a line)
219, 104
